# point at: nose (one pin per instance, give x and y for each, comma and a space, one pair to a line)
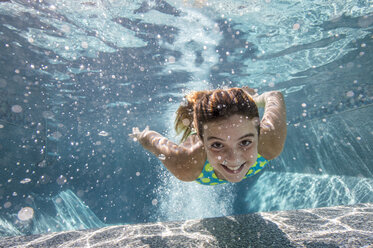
233, 157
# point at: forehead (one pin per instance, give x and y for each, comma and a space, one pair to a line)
233, 123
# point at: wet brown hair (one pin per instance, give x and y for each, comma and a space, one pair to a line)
200, 107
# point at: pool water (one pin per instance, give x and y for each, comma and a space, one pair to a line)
76, 76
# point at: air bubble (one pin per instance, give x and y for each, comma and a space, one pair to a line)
42, 163
296, 26
26, 180
25, 213
154, 202
186, 122
80, 193
103, 133
16, 109
162, 157
48, 115
171, 59
56, 135
350, 93
84, 44
61, 180
184, 102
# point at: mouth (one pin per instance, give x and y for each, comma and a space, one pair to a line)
233, 170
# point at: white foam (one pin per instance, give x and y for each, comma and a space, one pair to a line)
180, 200
26, 213
189, 200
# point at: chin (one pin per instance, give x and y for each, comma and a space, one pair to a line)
234, 180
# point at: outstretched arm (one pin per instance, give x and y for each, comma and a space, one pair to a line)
178, 159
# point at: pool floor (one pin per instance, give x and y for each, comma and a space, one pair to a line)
341, 226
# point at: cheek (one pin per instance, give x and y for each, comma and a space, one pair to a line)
252, 155
214, 156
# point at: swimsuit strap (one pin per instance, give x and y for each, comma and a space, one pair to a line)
208, 176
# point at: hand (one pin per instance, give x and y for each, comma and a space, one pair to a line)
138, 135
258, 99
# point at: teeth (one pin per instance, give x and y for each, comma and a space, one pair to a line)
234, 168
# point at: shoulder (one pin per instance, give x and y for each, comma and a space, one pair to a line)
191, 160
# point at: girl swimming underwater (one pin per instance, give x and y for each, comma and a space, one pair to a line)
222, 136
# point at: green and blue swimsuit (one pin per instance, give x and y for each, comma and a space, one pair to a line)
208, 176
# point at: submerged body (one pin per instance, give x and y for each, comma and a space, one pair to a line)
229, 142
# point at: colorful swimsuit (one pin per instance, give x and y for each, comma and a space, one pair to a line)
208, 176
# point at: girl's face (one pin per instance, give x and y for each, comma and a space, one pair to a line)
231, 146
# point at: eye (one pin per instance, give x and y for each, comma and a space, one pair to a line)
217, 145
246, 142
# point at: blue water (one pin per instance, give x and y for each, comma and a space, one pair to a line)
76, 76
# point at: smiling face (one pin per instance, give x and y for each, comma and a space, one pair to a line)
231, 145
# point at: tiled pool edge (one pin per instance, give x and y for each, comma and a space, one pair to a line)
341, 226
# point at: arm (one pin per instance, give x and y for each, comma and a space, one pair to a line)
273, 124
180, 160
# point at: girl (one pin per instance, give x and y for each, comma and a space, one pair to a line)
223, 139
